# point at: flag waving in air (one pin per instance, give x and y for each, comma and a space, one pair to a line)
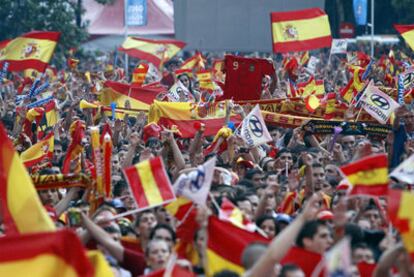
154, 51
38, 152
149, 183
405, 171
407, 32
31, 50
368, 175
254, 131
21, 208
378, 104
196, 184
300, 30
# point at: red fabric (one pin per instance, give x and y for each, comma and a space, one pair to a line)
133, 262
244, 77
177, 272
306, 260
366, 269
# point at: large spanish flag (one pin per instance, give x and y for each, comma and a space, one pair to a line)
21, 207
149, 183
368, 175
185, 114
151, 50
38, 152
43, 255
225, 245
407, 32
31, 50
400, 210
300, 30
139, 97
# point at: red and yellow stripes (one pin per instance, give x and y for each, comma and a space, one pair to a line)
154, 51
368, 175
149, 183
38, 152
225, 245
300, 30
21, 207
44, 254
31, 50
407, 32
400, 210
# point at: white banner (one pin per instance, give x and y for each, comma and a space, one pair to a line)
339, 46
378, 104
405, 171
254, 131
195, 185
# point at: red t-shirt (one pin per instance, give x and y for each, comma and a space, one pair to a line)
244, 77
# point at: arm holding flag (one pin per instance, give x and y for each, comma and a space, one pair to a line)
282, 242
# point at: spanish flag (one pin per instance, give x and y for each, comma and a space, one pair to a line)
21, 207
139, 98
139, 74
99, 263
77, 132
400, 210
225, 245
407, 32
31, 50
38, 152
184, 115
195, 62
300, 30
45, 255
154, 51
176, 271
312, 102
149, 183
179, 207
368, 175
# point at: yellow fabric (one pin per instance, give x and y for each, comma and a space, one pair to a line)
313, 103
409, 38
99, 263
217, 263
371, 177
149, 184
45, 265
175, 205
162, 51
24, 204
96, 148
406, 212
184, 111
307, 29
38, 150
16, 50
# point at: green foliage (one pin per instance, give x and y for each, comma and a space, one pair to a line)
21, 16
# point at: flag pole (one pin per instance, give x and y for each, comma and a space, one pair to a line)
126, 36
372, 28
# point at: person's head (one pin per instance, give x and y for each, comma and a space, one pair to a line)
116, 163
144, 223
185, 80
372, 214
291, 270
332, 172
315, 236
268, 224
348, 142
49, 196
318, 175
255, 175
362, 253
409, 118
252, 253
284, 157
57, 152
254, 200
282, 221
157, 254
245, 206
163, 232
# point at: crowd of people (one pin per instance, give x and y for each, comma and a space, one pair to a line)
290, 189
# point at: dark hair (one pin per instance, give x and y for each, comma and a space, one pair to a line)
308, 231
139, 215
282, 151
361, 245
288, 268
251, 172
165, 227
263, 218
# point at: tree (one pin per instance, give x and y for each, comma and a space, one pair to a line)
21, 16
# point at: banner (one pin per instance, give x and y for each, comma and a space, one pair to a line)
339, 46
360, 11
135, 12
254, 131
54, 181
378, 104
